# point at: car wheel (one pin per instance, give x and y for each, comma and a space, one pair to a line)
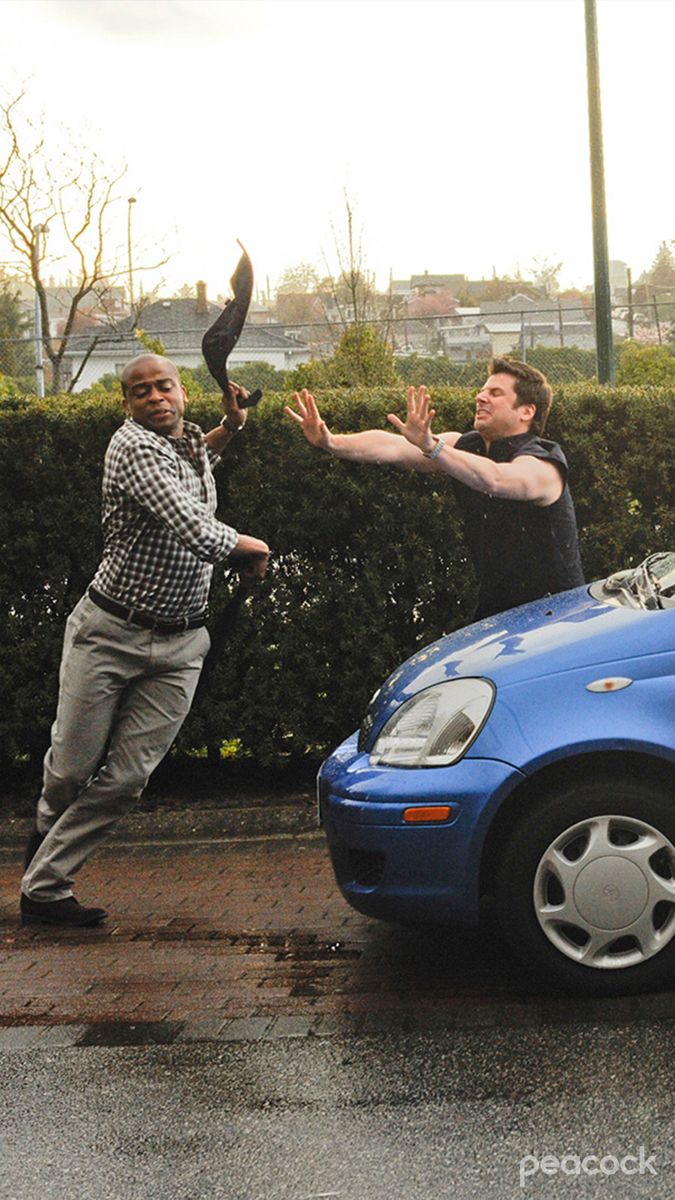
585, 888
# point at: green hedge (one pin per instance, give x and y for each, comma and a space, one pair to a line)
561, 364
368, 563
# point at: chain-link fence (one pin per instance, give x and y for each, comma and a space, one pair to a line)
452, 348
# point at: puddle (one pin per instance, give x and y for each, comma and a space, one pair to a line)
142, 1033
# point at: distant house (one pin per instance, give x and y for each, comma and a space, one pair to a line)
431, 304
541, 322
423, 285
499, 326
466, 340
400, 289
103, 303
260, 314
428, 312
179, 324
472, 290
505, 337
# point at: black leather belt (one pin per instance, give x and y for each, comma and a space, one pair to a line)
145, 619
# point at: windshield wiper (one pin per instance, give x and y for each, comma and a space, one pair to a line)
623, 581
660, 570
647, 583
650, 585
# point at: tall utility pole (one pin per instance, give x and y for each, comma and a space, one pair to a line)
603, 303
130, 202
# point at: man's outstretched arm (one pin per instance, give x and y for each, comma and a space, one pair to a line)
370, 446
526, 478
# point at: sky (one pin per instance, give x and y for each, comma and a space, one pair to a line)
458, 129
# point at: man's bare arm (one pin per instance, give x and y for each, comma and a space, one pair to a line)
370, 446
526, 478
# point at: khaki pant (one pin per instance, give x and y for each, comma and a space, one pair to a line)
124, 693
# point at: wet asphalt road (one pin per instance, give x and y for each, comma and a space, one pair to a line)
389, 1117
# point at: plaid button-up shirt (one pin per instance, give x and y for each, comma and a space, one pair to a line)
160, 536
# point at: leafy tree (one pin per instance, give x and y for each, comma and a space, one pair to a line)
418, 369
642, 365
311, 375
16, 355
361, 359
298, 299
298, 279
563, 364
662, 271
153, 345
107, 385
13, 321
262, 375
298, 308
9, 389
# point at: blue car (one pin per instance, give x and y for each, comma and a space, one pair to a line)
529, 758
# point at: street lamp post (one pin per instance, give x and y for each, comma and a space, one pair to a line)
131, 201
40, 231
603, 303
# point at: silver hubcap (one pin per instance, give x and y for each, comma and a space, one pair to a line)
604, 892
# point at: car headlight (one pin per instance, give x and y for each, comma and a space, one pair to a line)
437, 726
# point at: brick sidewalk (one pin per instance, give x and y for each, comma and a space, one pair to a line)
239, 929
245, 937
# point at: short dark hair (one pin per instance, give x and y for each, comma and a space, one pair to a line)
531, 387
139, 358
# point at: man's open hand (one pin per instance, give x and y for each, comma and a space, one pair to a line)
309, 419
417, 426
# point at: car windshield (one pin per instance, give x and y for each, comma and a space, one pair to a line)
650, 585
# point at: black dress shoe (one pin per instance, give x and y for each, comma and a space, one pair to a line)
32, 845
59, 912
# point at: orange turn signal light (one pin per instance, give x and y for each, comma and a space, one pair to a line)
429, 814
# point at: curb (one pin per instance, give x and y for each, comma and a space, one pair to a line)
347, 1025
164, 826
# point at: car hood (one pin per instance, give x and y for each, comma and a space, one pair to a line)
558, 633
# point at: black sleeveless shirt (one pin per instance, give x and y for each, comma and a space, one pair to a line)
521, 551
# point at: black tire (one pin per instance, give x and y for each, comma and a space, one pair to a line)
604, 885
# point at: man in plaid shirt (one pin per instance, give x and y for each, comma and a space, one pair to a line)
135, 643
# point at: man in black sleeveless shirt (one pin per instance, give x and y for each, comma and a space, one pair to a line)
510, 482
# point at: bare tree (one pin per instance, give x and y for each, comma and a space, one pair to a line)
352, 291
545, 275
55, 209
